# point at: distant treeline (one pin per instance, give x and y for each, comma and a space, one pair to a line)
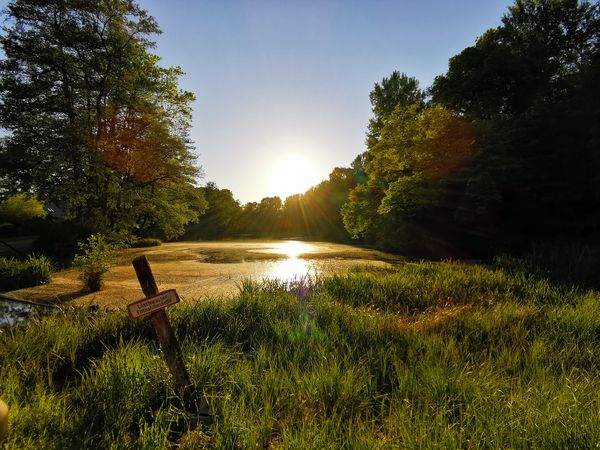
313, 215
502, 150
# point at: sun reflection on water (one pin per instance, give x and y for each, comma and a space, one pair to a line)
289, 269
291, 249
293, 267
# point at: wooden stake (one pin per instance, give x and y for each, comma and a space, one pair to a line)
168, 341
162, 326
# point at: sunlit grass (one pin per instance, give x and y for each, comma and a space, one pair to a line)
430, 355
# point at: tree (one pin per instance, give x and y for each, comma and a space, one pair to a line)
359, 213
322, 205
527, 88
294, 217
418, 148
92, 121
533, 56
268, 216
398, 89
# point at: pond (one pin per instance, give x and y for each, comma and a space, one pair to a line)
201, 269
14, 312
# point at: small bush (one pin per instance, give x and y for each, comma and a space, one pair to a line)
21, 207
94, 262
146, 242
15, 274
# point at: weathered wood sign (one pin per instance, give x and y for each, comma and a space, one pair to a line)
160, 322
148, 305
154, 306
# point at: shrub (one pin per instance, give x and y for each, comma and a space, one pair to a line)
15, 274
21, 207
146, 242
94, 262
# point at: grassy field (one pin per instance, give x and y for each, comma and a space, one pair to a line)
431, 355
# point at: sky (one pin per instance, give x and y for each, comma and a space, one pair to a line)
282, 86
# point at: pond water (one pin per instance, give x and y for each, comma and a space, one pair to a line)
206, 269
12, 312
289, 266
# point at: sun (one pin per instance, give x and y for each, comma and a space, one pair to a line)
292, 174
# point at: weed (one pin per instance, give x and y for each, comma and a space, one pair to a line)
94, 261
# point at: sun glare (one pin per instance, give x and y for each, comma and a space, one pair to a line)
292, 174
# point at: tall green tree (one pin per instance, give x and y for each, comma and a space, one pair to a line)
397, 89
92, 121
533, 57
417, 150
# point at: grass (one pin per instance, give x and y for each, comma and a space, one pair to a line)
17, 274
441, 355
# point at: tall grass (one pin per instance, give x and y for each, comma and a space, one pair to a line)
567, 263
17, 274
462, 357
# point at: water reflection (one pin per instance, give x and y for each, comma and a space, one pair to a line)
12, 313
291, 249
293, 267
290, 269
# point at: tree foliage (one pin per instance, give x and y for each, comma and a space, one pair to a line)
314, 214
418, 148
506, 151
21, 207
526, 86
533, 57
93, 122
220, 216
398, 89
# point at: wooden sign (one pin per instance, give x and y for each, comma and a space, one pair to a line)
154, 306
148, 305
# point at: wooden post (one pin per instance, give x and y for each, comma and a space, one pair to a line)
168, 341
162, 326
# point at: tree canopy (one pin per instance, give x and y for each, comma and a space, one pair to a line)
506, 150
92, 121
